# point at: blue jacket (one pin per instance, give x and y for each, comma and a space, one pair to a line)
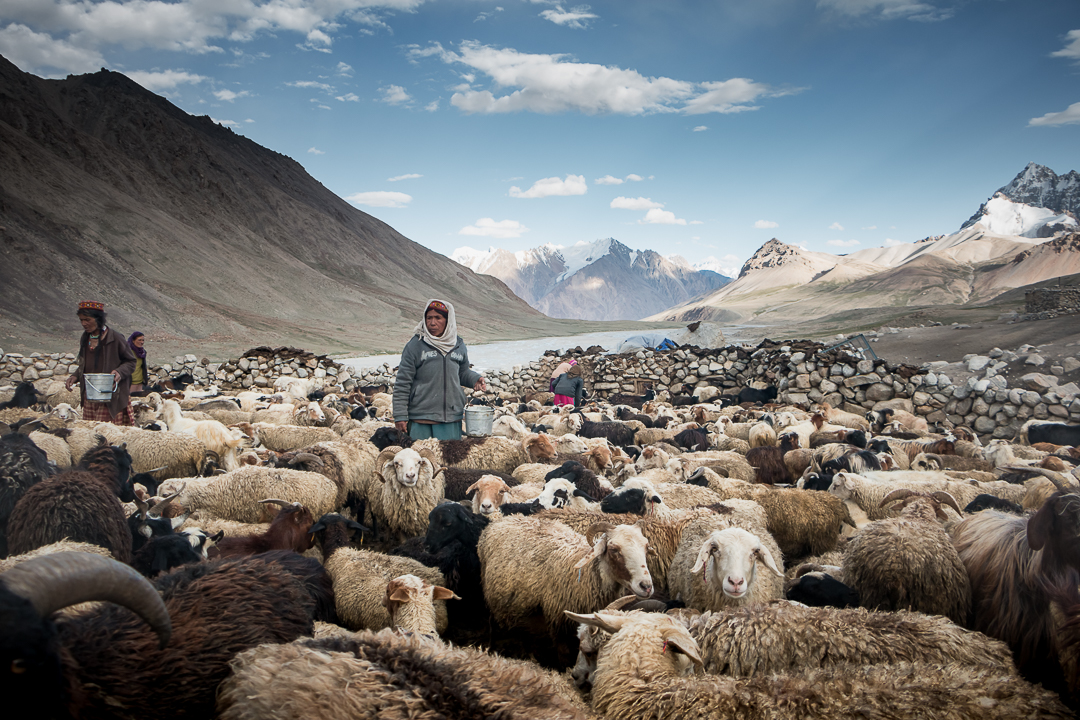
428, 384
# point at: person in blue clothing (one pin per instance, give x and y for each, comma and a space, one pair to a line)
428, 399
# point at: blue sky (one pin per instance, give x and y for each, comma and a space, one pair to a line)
696, 128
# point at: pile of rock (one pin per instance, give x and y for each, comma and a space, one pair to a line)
15, 368
259, 368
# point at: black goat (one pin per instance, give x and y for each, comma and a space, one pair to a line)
625, 414
818, 481
25, 396
757, 397
389, 435
634, 401
624, 500
618, 433
105, 663
818, 589
452, 535
22, 465
79, 505
692, 439
583, 478
163, 553
854, 462
1054, 433
177, 383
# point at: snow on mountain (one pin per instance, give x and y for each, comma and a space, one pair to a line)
1002, 216
1036, 204
717, 266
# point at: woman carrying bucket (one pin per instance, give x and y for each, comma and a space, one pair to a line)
428, 399
105, 366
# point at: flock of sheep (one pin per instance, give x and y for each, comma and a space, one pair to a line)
294, 555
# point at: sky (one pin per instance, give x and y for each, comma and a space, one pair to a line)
695, 128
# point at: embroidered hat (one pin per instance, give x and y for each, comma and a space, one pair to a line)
438, 307
91, 305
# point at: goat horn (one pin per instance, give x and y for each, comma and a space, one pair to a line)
898, 494
285, 504
947, 499
60, 580
158, 469
159, 507
1060, 481
302, 457
142, 506
387, 454
597, 529
621, 602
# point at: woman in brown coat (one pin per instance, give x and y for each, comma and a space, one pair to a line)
102, 350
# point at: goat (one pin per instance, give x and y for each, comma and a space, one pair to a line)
288, 531
25, 396
756, 396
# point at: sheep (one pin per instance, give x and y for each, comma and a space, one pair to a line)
769, 466
880, 418
509, 426
757, 396
215, 436
761, 434
281, 438
931, 461
618, 433
1055, 433
908, 562
81, 504
360, 576
104, 662
639, 674
1012, 561
180, 454
728, 562
22, 465
25, 396
64, 546
530, 565
841, 417
235, 495
58, 451
490, 453
411, 487
411, 603
386, 674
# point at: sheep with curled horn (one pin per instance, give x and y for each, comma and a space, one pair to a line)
411, 485
908, 562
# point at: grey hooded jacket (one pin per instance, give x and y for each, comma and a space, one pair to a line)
428, 384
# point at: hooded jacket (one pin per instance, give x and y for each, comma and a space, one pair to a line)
428, 384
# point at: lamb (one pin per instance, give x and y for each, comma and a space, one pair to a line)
639, 674
411, 487
360, 576
82, 504
728, 561
389, 675
908, 562
411, 603
235, 495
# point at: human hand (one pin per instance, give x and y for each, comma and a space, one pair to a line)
481, 385
402, 426
70, 382
116, 377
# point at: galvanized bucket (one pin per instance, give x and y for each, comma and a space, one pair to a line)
478, 420
99, 386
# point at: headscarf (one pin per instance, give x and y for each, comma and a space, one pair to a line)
448, 340
140, 352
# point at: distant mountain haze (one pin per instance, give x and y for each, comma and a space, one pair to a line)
601, 280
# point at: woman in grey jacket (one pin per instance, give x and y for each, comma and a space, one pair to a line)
428, 399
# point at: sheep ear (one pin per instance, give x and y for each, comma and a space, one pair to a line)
710, 548
471, 488
678, 642
766, 557
604, 621
399, 594
441, 593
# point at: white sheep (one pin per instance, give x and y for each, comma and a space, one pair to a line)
725, 571
411, 486
216, 437
235, 495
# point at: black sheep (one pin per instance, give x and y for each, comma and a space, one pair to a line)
22, 465
25, 396
692, 439
993, 502
583, 478
620, 434
105, 662
819, 589
624, 500
757, 397
79, 505
389, 435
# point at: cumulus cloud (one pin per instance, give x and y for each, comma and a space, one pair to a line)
344, 68
159, 81
656, 216
608, 180
843, 243
552, 83
577, 18
765, 224
315, 151
229, 95
348, 97
870, 227
381, 198
394, 95
701, 128
501, 230
639, 203
432, 106
634, 178
890, 9
547, 187
486, 15
33, 51
836, 226
1072, 46
410, 176
1068, 116
311, 85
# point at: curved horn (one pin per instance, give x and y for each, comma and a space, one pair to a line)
597, 529
622, 602
285, 504
947, 499
158, 469
385, 456
302, 457
159, 507
428, 455
1060, 481
60, 580
898, 494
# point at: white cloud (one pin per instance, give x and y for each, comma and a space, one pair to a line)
501, 230
889, 9
432, 106
315, 151
608, 180
486, 15
158, 81
226, 123
547, 187
324, 107
311, 84
410, 176
701, 128
381, 198
765, 224
1072, 46
394, 95
1068, 116
843, 243
229, 95
348, 97
889, 242
634, 178
640, 203
34, 51
836, 226
249, 120
656, 216
344, 68
697, 222
577, 18
552, 83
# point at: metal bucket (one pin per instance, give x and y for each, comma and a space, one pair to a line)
478, 420
99, 386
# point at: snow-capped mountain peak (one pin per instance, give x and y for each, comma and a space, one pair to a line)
1036, 204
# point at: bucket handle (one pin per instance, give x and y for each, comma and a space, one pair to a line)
99, 390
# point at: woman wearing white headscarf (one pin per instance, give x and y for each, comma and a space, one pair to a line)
428, 400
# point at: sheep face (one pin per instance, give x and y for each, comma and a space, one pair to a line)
925, 462
490, 494
620, 553
405, 468
558, 492
571, 445
732, 556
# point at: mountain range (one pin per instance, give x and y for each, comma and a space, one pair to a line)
601, 280
201, 237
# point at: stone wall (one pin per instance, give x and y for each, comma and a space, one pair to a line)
1052, 299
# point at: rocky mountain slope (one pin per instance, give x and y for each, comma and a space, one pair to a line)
199, 236
1036, 204
602, 280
